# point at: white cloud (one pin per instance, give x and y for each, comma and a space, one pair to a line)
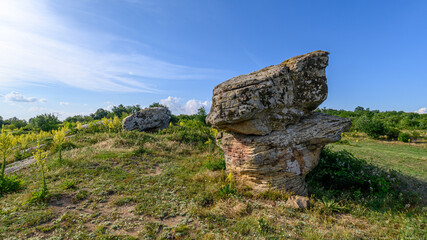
43, 100
109, 107
17, 97
36, 109
39, 47
422, 110
64, 103
190, 107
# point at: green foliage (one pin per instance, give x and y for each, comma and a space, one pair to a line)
156, 104
264, 227
372, 127
392, 133
214, 164
229, 188
404, 137
69, 184
40, 157
9, 184
328, 206
415, 134
201, 115
342, 172
7, 142
188, 131
390, 119
81, 195
45, 122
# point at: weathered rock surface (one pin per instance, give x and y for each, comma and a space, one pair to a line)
148, 119
282, 158
272, 138
298, 202
271, 98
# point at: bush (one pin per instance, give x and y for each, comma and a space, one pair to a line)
404, 137
342, 172
215, 164
372, 127
188, 131
9, 184
392, 133
415, 135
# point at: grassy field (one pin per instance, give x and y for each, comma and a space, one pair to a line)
170, 186
408, 158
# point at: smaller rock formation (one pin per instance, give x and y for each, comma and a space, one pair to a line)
298, 202
148, 120
272, 137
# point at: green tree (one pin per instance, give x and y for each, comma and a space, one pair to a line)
201, 115
156, 104
100, 114
45, 122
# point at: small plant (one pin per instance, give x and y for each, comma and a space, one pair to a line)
69, 184
117, 123
79, 126
58, 140
329, 206
404, 137
81, 195
264, 227
40, 156
7, 142
229, 188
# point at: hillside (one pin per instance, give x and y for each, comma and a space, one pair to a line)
172, 184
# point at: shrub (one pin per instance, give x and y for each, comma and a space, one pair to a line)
404, 137
9, 184
342, 172
415, 134
214, 164
188, 131
392, 133
372, 127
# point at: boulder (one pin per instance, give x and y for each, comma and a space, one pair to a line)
271, 98
272, 139
298, 202
148, 119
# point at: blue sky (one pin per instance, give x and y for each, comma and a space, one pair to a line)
73, 57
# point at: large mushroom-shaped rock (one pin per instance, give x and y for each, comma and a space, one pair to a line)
148, 119
271, 98
272, 139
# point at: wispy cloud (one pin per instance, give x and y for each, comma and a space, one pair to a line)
190, 107
17, 97
39, 47
43, 100
64, 103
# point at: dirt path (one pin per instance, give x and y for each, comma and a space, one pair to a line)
18, 165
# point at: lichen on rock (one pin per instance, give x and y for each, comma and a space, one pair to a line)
272, 139
148, 120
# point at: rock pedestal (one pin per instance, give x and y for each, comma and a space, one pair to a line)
272, 139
